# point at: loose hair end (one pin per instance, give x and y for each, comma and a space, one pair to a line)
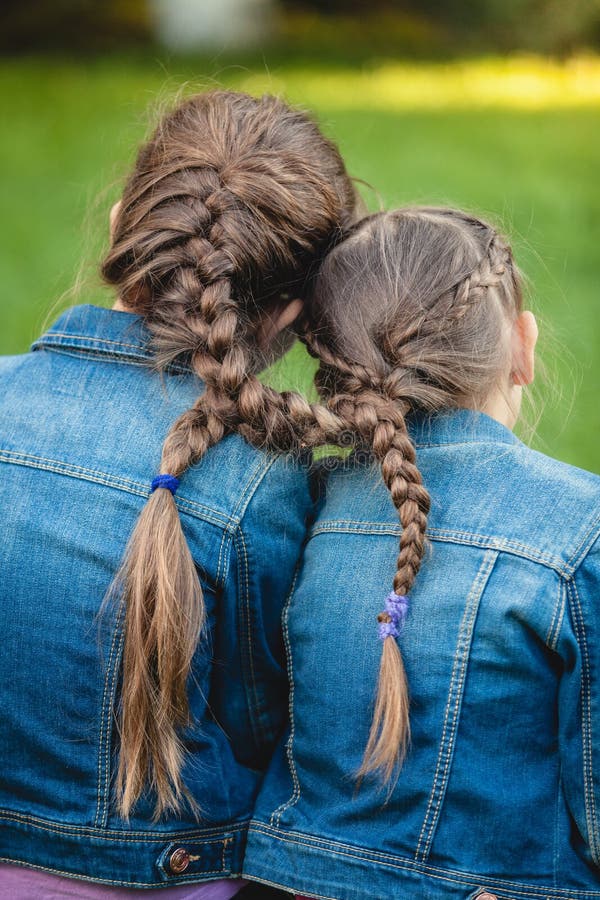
164, 617
389, 736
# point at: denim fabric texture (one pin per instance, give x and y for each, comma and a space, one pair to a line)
500, 792
82, 422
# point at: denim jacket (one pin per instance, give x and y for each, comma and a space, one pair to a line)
499, 796
82, 422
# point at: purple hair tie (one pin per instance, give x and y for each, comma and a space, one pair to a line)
165, 481
392, 620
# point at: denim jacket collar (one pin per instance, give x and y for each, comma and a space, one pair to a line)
97, 330
458, 426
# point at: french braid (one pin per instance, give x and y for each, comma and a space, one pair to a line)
230, 203
407, 314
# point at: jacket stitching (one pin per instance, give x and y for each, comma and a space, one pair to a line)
587, 541
210, 835
586, 720
205, 513
107, 678
555, 610
559, 623
109, 719
455, 694
503, 545
16, 456
226, 864
556, 836
461, 537
244, 611
101, 740
220, 579
191, 507
289, 748
557, 618
440, 534
409, 865
98, 355
46, 340
261, 469
490, 441
249, 633
124, 358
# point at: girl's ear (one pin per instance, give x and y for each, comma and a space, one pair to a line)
524, 337
114, 212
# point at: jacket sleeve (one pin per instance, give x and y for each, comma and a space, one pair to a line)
251, 689
579, 702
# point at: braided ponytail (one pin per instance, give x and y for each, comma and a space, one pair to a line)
389, 735
409, 314
230, 203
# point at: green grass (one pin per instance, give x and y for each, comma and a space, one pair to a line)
528, 158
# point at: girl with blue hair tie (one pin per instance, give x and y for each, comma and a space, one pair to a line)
154, 498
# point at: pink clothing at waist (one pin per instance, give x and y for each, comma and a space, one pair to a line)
20, 883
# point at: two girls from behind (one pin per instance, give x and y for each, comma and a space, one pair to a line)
136, 730
475, 773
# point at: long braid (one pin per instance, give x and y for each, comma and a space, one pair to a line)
373, 408
380, 364
230, 204
162, 631
234, 399
390, 731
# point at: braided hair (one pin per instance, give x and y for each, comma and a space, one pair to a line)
412, 312
230, 205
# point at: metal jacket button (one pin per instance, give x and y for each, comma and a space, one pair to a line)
487, 896
180, 860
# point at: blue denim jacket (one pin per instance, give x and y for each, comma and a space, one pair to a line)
82, 421
500, 793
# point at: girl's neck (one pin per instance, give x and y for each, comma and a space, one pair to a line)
504, 405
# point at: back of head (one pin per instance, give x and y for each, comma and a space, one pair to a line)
231, 203
412, 312
426, 299
232, 200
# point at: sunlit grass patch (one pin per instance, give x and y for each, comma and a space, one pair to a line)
522, 82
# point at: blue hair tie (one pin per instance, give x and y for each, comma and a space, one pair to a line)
392, 620
165, 481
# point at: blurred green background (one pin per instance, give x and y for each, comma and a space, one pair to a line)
490, 106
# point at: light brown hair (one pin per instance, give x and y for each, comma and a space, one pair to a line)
230, 204
410, 313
